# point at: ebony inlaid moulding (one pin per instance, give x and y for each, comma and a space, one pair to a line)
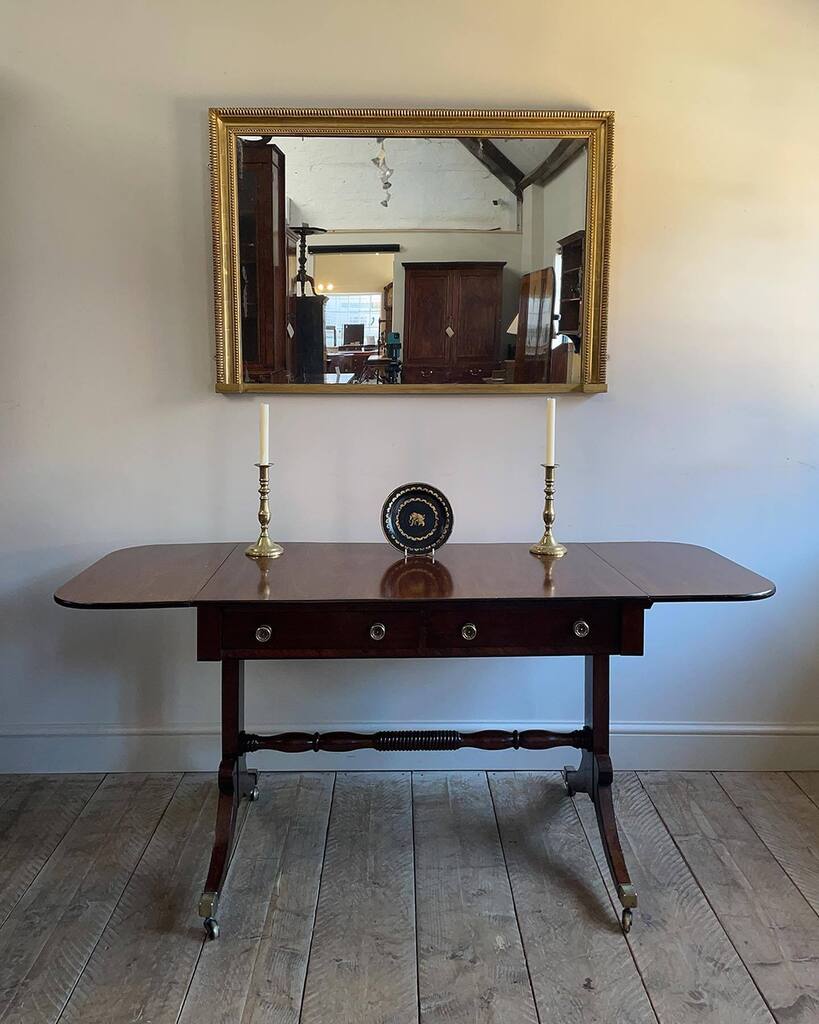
358, 601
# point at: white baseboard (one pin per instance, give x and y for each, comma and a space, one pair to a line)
93, 747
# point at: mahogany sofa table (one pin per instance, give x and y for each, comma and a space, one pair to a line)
359, 601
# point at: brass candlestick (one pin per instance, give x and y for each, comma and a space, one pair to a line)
547, 544
264, 546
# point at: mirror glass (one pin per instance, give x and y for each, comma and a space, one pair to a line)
421, 261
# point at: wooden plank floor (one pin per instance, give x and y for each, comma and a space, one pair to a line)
398, 898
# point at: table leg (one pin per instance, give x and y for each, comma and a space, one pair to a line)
236, 781
594, 776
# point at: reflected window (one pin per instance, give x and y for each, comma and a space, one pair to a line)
352, 318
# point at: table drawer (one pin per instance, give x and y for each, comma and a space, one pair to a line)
562, 629
314, 630
430, 629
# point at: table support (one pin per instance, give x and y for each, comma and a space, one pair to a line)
594, 776
416, 739
235, 782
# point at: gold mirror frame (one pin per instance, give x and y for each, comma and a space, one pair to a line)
226, 123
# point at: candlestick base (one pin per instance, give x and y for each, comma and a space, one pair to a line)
264, 548
547, 545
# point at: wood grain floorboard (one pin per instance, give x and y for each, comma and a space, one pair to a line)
808, 782
140, 970
690, 969
471, 965
10, 783
101, 888
47, 939
581, 966
33, 820
362, 967
768, 920
255, 973
785, 818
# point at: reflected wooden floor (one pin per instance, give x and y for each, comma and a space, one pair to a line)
398, 898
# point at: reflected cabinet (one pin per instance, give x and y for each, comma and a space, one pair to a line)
449, 251
451, 322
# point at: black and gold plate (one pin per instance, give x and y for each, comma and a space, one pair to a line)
417, 518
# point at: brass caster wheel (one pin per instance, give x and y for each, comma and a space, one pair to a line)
253, 795
565, 776
626, 920
211, 927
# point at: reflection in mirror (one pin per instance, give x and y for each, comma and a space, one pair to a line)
444, 261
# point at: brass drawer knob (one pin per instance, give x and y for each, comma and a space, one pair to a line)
469, 631
263, 634
378, 631
581, 628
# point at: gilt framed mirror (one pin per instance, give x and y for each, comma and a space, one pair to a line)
410, 251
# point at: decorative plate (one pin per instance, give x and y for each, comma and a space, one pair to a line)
417, 518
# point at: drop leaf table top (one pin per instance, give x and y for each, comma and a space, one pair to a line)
178, 575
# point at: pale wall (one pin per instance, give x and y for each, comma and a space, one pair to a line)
353, 272
564, 206
552, 211
435, 182
112, 435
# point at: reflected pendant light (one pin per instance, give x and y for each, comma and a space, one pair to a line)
384, 172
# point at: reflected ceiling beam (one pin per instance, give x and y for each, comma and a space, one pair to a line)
561, 156
487, 153
339, 250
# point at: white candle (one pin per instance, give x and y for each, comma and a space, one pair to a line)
264, 433
551, 406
